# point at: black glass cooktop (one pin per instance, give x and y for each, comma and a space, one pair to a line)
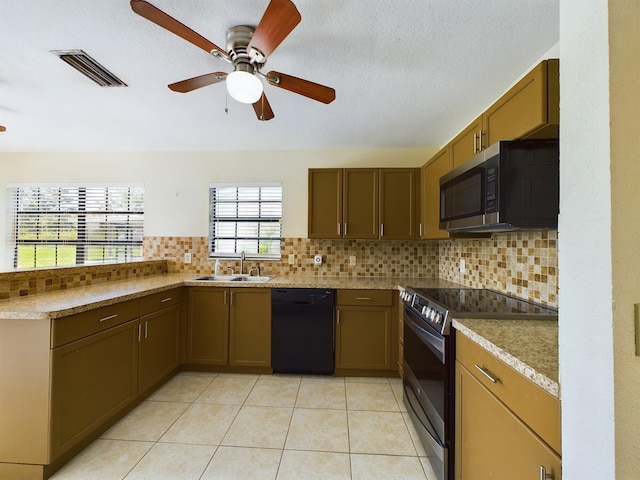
473, 301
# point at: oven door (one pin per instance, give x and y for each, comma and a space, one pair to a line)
428, 391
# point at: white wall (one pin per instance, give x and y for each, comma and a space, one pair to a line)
584, 244
176, 183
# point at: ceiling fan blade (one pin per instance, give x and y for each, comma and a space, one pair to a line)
311, 90
198, 82
278, 20
263, 109
157, 16
3, 128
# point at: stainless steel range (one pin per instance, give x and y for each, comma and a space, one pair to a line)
429, 358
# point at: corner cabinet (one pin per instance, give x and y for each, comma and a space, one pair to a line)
438, 166
363, 203
366, 331
506, 427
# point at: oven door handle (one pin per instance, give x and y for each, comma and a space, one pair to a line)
430, 431
435, 343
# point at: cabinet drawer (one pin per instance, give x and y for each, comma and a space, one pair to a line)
74, 327
157, 301
365, 297
534, 406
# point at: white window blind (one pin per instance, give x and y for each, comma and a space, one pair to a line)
245, 218
55, 225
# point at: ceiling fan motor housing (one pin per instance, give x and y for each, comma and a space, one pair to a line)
238, 39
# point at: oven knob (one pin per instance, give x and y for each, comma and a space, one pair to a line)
428, 312
424, 311
438, 318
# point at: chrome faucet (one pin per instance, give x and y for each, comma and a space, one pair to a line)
242, 257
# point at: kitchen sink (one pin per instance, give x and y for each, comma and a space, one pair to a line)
234, 278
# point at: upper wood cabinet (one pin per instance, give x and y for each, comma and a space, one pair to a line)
466, 144
530, 109
364, 203
399, 203
360, 203
325, 203
439, 165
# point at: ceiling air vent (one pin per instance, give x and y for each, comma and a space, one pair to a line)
86, 65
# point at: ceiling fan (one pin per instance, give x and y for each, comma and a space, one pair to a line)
247, 50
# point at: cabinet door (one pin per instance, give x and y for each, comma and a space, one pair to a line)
250, 327
491, 442
398, 192
363, 337
325, 203
524, 108
92, 379
159, 346
467, 143
360, 203
431, 173
208, 326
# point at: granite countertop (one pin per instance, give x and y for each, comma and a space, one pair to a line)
528, 346
75, 300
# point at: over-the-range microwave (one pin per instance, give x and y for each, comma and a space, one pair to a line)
512, 185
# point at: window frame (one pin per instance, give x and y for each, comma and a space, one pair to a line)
82, 232
248, 255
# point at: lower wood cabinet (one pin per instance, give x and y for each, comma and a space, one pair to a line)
64, 381
229, 326
366, 330
92, 379
506, 428
250, 327
159, 333
208, 326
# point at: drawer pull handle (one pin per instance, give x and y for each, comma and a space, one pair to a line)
165, 300
108, 317
487, 374
401, 341
544, 475
363, 298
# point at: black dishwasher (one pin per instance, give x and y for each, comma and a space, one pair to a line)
302, 330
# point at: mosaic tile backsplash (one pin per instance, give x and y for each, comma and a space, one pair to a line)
373, 258
522, 264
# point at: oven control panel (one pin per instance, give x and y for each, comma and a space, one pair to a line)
430, 311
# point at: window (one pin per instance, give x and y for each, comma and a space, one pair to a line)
56, 225
245, 218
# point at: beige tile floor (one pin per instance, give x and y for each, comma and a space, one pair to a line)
205, 426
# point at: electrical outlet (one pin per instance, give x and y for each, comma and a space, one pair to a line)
292, 259
352, 260
463, 267
187, 257
317, 260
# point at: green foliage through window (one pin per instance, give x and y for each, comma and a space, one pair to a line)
74, 225
245, 218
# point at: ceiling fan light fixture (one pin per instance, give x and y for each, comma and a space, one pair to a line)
243, 85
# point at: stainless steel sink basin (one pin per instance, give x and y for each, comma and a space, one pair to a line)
233, 278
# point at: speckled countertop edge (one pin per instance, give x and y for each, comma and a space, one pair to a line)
528, 346
76, 300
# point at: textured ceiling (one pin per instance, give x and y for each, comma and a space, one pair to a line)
407, 73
